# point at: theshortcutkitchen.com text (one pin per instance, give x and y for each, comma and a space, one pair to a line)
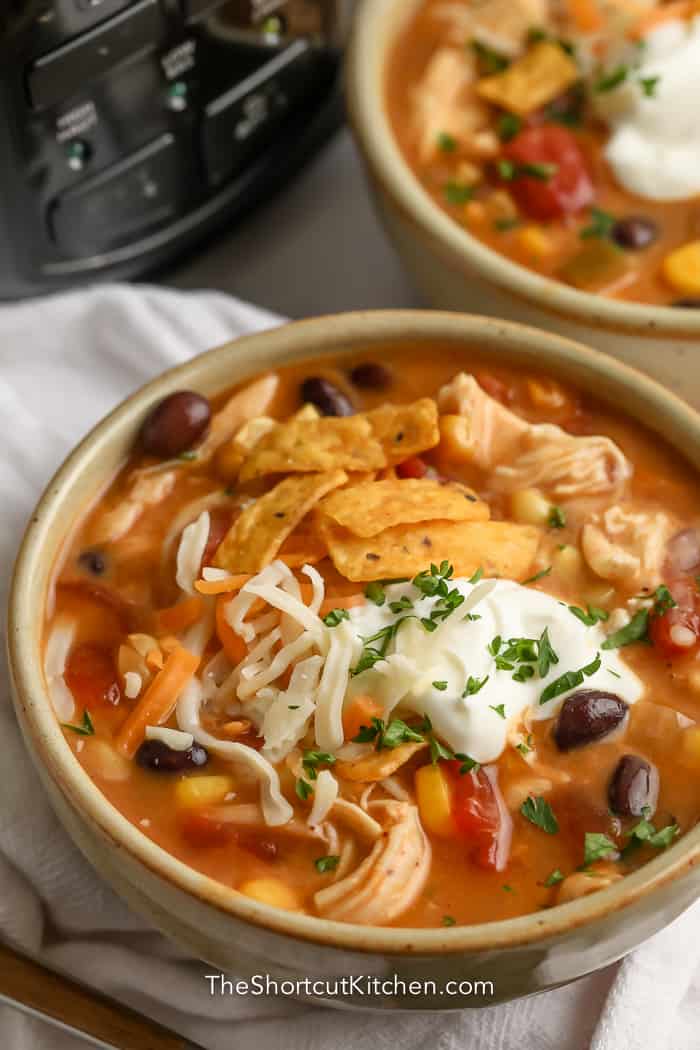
362, 985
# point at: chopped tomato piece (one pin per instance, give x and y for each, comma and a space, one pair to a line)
91, 676
559, 183
415, 467
480, 815
203, 829
676, 632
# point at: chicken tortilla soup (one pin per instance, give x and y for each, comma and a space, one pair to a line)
403, 637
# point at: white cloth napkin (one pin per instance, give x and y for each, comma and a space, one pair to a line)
64, 362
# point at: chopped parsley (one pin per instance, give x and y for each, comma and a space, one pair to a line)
311, 760
649, 85
508, 222
469, 764
538, 576
500, 710
401, 605
553, 878
508, 126
188, 455
440, 686
570, 680
539, 812
601, 224
590, 617
480, 572
557, 518
596, 846
303, 789
335, 616
375, 593
509, 170
446, 142
324, 864
439, 751
609, 81
525, 746
523, 656
85, 728
637, 630
449, 920
474, 685
388, 735
645, 833
458, 192
490, 61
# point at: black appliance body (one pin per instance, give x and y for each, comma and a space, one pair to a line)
130, 130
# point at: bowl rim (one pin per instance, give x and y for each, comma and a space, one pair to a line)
375, 27
49, 528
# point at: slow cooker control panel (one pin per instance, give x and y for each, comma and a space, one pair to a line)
130, 121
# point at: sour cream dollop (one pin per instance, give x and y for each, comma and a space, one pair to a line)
463, 647
654, 149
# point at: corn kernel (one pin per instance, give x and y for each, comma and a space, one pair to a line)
534, 241
475, 212
568, 563
434, 801
202, 791
502, 205
529, 507
681, 268
270, 891
690, 746
547, 394
468, 174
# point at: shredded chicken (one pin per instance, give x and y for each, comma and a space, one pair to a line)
624, 543
389, 879
525, 455
444, 103
502, 25
146, 491
378, 764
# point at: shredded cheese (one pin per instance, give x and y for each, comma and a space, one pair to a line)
190, 552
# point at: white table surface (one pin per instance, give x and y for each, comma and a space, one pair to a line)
316, 247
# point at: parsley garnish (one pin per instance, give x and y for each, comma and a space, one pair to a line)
553, 878
324, 864
449, 920
500, 710
388, 736
312, 759
188, 455
525, 653
469, 764
592, 616
539, 812
474, 685
508, 126
335, 616
644, 833
303, 789
480, 572
401, 605
570, 680
538, 576
648, 85
557, 518
86, 728
596, 846
446, 142
506, 223
438, 751
525, 746
440, 686
601, 224
609, 81
490, 61
375, 593
508, 170
545, 654
637, 629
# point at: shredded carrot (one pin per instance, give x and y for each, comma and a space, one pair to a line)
154, 659
358, 713
341, 601
586, 15
232, 643
224, 586
179, 617
658, 15
158, 702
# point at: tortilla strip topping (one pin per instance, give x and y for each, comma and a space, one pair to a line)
255, 538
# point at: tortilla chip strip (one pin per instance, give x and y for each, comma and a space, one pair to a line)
500, 548
255, 538
363, 442
541, 75
370, 508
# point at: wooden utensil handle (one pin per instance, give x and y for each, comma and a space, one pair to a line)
32, 985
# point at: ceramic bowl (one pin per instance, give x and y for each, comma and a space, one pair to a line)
456, 271
233, 932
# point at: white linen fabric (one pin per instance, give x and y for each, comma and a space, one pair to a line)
64, 362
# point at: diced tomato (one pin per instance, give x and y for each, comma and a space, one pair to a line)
480, 815
220, 523
671, 632
202, 829
569, 187
415, 467
91, 676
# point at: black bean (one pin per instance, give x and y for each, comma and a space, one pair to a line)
586, 716
371, 376
175, 424
687, 304
93, 562
156, 755
634, 233
328, 399
634, 787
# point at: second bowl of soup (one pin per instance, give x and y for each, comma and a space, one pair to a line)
536, 160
